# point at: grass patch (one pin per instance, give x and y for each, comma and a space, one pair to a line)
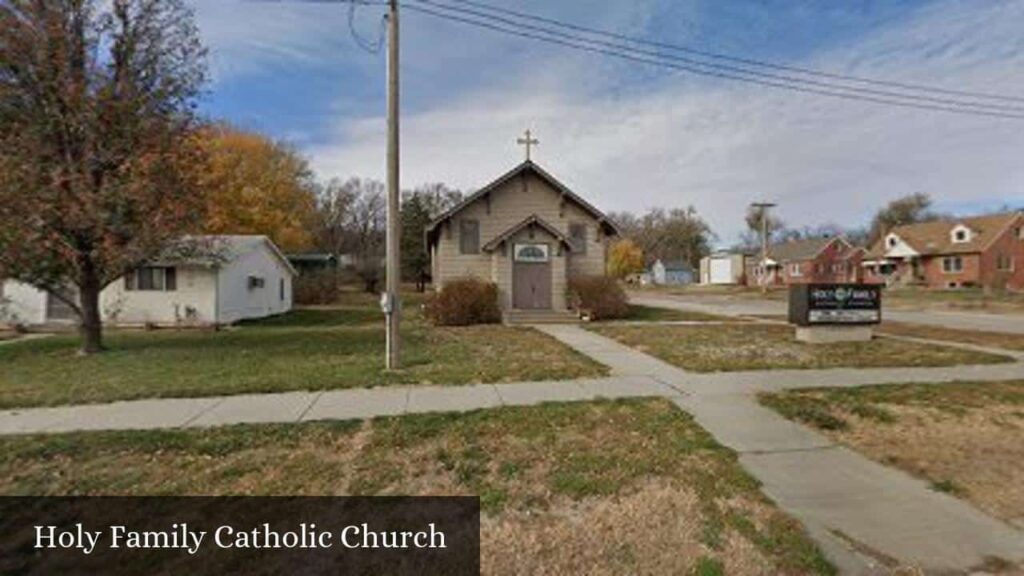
725, 348
991, 339
964, 438
641, 313
307, 349
566, 488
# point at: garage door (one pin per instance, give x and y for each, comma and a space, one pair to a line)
721, 271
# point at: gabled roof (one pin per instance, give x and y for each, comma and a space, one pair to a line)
799, 250
526, 167
929, 238
532, 220
218, 249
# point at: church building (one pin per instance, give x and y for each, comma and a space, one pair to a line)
527, 233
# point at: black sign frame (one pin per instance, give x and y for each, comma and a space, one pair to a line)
835, 304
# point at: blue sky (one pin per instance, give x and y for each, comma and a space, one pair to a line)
628, 136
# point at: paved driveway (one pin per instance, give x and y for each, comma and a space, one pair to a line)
737, 305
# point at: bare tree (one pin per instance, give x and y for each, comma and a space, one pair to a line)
333, 212
677, 234
909, 209
97, 107
366, 230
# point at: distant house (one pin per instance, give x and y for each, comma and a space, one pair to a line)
723, 268
983, 251
312, 262
526, 232
807, 261
671, 273
242, 277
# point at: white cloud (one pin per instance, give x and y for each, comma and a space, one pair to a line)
719, 146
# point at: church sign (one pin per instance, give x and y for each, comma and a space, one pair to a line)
835, 304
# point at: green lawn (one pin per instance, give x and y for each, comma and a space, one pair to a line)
964, 438
305, 350
641, 313
724, 348
627, 487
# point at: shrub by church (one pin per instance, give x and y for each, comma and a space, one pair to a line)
527, 233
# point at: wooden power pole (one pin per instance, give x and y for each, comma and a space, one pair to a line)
764, 207
391, 302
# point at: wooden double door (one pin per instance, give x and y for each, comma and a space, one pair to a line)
531, 285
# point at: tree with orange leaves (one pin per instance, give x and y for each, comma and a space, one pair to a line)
254, 185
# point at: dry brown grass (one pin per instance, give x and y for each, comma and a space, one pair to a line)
991, 339
622, 487
766, 346
965, 438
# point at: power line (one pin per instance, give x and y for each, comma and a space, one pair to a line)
371, 47
626, 53
728, 69
741, 60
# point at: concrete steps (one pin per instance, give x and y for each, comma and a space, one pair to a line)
520, 317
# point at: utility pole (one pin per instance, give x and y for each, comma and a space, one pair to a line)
764, 207
391, 302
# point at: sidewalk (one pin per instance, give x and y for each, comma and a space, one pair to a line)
840, 496
308, 406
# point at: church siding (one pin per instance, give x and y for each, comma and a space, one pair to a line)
516, 200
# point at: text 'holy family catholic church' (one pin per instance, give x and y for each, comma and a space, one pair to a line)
526, 232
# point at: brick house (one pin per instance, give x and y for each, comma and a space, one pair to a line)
983, 251
807, 261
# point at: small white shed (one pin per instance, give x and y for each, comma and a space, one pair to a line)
246, 277
722, 268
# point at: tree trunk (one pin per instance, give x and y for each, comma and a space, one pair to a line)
91, 325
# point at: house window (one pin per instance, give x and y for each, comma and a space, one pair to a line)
952, 264
1020, 233
256, 282
151, 279
839, 268
795, 270
891, 241
578, 235
469, 236
280, 284
1004, 263
961, 234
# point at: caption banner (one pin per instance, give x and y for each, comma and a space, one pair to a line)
250, 535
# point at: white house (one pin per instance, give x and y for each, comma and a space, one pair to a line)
242, 277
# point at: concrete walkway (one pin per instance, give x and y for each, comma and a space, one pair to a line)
862, 514
309, 406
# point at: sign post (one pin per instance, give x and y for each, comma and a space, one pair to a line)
835, 312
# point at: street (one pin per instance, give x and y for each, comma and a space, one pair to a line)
739, 305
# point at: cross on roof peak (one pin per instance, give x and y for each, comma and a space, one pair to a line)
528, 141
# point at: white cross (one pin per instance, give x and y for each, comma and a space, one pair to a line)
529, 142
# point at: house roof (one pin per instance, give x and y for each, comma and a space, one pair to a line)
528, 166
798, 250
215, 250
310, 257
532, 220
929, 238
